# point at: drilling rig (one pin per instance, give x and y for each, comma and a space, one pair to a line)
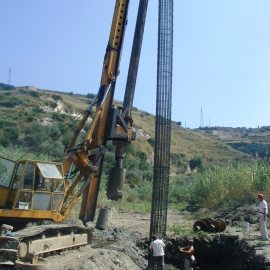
34, 191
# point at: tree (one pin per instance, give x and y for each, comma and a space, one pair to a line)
196, 163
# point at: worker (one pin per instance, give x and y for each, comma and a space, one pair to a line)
188, 252
263, 214
6, 230
157, 251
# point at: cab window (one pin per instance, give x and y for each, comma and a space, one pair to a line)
18, 176
6, 171
24, 200
28, 176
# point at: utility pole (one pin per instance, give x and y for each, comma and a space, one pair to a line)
9, 76
201, 119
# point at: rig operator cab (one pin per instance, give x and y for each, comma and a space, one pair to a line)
33, 185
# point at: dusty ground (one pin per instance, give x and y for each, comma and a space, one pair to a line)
115, 248
121, 246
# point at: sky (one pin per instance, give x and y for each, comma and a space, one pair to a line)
221, 59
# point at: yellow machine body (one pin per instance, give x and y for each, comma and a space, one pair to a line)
31, 190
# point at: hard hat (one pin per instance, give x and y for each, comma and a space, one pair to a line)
260, 196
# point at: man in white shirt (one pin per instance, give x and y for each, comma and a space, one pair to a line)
263, 213
157, 248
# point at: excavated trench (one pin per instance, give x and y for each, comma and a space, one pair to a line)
219, 252
213, 251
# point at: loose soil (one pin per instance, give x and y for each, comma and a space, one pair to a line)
121, 246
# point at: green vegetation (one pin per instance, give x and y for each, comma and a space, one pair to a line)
232, 185
180, 230
20, 153
4, 86
32, 93
51, 104
210, 168
57, 97
221, 188
254, 149
10, 101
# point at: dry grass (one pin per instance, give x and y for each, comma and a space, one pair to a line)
185, 142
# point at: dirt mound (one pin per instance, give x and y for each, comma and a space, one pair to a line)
121, 246
110, 249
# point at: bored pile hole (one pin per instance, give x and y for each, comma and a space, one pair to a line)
219, 252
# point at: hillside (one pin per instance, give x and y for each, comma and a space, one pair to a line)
42, 121
252, 141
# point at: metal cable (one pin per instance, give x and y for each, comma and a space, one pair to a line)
67, 126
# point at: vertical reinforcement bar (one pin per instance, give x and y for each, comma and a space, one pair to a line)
163, 120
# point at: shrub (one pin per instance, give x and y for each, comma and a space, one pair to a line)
12, 134
3, 140
151, 142
110, 147
143, 164
196, 163
43, 139
32, 93
50, 104
11, 102
212, 187
57, 97
30, 118
6, 123
4, 86
180, 188
131, 163
90, 96
147, 175
59, 117
261, 176
178, 161
144, 191
133, 177
254, 149
36, 110
130, 149
108, 162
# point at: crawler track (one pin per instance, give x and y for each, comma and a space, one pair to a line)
38, 240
